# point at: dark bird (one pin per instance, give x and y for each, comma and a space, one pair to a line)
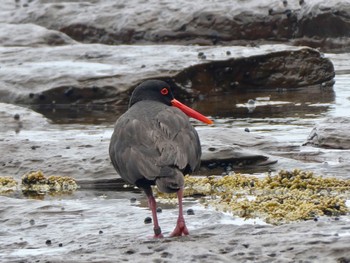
154, 143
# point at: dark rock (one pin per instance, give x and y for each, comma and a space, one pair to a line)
320, 23
109, 73
148, 220
190, 211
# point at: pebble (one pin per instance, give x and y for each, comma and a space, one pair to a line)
48, 242
100, 232
148, 220
132, 199
190, 211
159, 210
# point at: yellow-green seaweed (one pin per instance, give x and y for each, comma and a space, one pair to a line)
38, 182
7, 184
288, 196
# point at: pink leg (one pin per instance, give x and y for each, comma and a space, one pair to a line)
180, 228
153, 206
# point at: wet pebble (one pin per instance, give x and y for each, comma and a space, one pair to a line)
48, 242
32, 222
159, 210
132, 199
190, 211
148, 220
60, 245
100, 232
228, 52
16, 116
201, 55
246, 130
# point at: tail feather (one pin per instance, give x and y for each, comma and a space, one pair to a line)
170, 180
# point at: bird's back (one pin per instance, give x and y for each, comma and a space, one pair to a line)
154, 141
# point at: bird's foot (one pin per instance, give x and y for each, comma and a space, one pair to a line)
158, 233
180, 229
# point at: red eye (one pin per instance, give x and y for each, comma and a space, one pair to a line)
164, 91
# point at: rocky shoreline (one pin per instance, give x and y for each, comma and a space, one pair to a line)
66, 72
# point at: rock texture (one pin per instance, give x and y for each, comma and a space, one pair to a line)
331, 133
322, 24
81, 151
98, 73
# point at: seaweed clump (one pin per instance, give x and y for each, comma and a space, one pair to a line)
288, 196
7, 184
38, 182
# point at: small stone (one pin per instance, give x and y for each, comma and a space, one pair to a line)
100, 232
190, 212
32, 222
16, 117
212, 165
228, 52
48, 242
132, 199
148, 220
246, 130
60, 245
288, 12
159, 210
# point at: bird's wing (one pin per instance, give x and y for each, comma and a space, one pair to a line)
140, 149
131, 150
181, 147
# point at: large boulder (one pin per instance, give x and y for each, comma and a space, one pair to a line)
98, 73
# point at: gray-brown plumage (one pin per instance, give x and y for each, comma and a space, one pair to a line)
154, 143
